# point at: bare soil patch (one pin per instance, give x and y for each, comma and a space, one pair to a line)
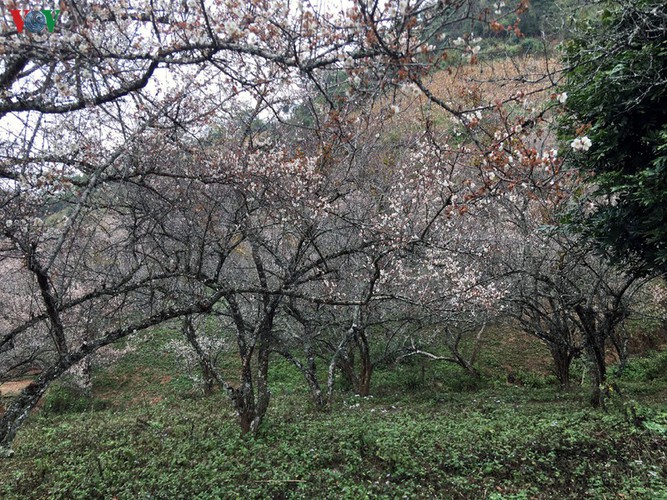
13, 387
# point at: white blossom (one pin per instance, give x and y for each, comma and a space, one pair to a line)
581, 144
232, 28
411, 90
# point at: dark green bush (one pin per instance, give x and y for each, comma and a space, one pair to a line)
646, 369
65, 398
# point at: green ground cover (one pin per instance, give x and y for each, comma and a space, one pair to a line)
147, 433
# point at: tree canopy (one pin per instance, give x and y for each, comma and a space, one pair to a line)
310, 184
617, 99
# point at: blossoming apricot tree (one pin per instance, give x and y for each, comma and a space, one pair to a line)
143, 177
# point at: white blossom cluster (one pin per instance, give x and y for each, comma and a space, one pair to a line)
581, 144
187, 357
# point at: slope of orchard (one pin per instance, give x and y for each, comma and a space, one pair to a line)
428, 430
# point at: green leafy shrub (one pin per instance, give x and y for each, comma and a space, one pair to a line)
65, 398
531, 46
463, 382
646, 369
535, 380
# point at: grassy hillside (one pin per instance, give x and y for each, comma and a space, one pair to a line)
148, 433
